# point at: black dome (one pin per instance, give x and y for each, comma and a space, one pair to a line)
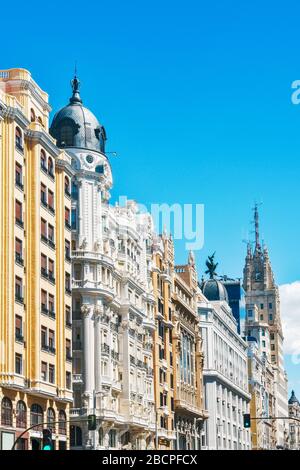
76, 126
214, 290
293, 399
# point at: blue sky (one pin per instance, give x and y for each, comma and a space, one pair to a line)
196, 100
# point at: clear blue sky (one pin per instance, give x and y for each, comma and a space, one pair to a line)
195, 98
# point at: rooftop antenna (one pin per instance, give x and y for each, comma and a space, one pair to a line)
256, 224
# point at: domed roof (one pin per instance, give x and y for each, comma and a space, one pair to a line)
76, 126
214, 290
293, 399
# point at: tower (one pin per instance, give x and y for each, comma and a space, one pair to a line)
113, 311
263, 320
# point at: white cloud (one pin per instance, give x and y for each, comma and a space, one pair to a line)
290, 316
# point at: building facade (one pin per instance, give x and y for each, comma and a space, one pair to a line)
262, 389
263, 322
294, 425
225, 372
190, 414
112, 295
35, 306
164, 365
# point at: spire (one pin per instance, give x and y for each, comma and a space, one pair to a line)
75, 83
256, 223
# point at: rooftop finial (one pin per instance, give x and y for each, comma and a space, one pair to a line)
256, 223
211, 266
75, 84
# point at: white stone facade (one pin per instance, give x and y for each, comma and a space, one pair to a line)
225, 377
113, 312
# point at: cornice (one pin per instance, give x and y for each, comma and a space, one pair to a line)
41, 137
15, 114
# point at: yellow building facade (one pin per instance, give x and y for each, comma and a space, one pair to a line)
162, 276
35, 269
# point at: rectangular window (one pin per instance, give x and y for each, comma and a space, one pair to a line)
18, 289
250, 313
261, 317
51, 341
51, 304
270, 305
51, 373
50, 200
261, 306
270, 317
19, 328
44, 229
18, 363
67, 250
44, 371
44, 265
44, 307
68, 316
19, 213
51, 232
68, 349
44, 343
67, 217
43, 194
68, 283
272, 347
51, 269
73, 215
263, 344
19, 175
19, 251
68, 380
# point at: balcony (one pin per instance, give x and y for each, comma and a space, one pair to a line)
19, 259
19, 298
105, 348
19, 337
20, 222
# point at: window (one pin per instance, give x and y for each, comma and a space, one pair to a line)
66, 136
73, 219
44, 229
19, 289
67, 186
272, 336
51, 341
36, 415
19, 251
99, 169
261, 306
68, 380
271, 317
62, 428
51, 305
112, 438
44, 371
51, 373
44, 301
273, 358
19, 176
101, 435
19, 139
44, 265
263, 333
51, 200
68, 349
44, 338
74, 190
68, 316
76, 436
32, 115
18, 363
261, 317
67, 217
51, 233
6, 412
19, 213
43, 161
21, 413
68, 283
67, 250
263, 344
50, 167
250, 313
43, 194
51, 270
272, 347
19, 328
51, 416
270, 305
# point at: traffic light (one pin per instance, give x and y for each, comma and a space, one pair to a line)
47, 439
247, 420
92, 422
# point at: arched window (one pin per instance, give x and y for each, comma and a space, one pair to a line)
6, 412
66, 136
50, 167
32, 115
36, 415
67, 186
99, 169
21, 415
75, 436
51, 418
43, 160
19, 139
62, 428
